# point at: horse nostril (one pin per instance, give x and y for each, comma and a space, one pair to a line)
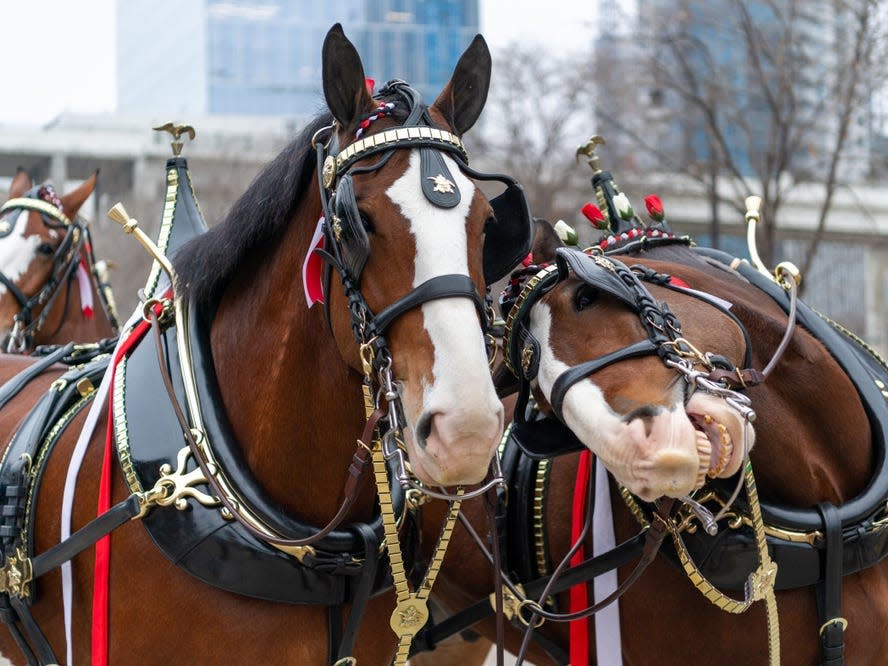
424, 429
646, 414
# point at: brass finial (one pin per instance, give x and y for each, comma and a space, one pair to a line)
588, 149
177, 131
131, 226
753, 216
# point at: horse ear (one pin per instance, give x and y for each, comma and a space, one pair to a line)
344, 86
464, 96
546, 240
20, 184
73, 200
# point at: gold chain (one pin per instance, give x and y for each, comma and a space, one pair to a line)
759, 586
411, 612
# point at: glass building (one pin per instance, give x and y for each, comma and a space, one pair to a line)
264, 57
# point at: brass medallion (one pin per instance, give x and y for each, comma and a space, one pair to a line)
442, 184
409, 617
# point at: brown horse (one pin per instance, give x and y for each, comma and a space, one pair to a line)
404, 230
814, 444
51, 290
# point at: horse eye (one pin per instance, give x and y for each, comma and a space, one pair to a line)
46, 249
585, 297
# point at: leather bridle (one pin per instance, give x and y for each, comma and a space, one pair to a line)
65, 261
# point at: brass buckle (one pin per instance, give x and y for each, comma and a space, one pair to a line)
836, 620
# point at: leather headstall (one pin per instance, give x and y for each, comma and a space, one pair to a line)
65, 261
347, 245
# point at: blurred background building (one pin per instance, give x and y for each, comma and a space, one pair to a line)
264, 58
702, 103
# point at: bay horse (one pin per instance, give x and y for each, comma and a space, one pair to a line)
52, 290
818, 461
244, 409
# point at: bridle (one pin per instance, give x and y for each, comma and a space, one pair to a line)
65, 261
346, 248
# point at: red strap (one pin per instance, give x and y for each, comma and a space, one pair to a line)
102, 571
579, 593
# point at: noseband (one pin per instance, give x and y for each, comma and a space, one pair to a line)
65, 261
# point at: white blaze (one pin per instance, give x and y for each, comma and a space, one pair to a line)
17, 251
461, 375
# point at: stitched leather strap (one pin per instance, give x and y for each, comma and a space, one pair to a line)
12, 388
441, 286
829, 590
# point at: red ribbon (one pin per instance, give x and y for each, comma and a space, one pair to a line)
102, 570
579, 593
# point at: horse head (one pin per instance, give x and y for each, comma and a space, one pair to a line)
603, 340
41, 241
410, 220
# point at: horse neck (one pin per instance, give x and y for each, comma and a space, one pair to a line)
810, 423
293, 404
67, 321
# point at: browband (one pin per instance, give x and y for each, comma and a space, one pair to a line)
39, 205
398, 137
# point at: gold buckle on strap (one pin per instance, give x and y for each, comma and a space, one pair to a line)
836, 620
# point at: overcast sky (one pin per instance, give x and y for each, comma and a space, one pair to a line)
59, 54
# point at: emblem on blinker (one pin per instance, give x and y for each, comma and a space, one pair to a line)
442, 184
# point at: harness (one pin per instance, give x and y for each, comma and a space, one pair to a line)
232, 535
66, 259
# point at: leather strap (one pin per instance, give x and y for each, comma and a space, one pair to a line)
829, 590
45, 655
86, 536
627, 551
571, 376
362, 592
442, 286
12, 387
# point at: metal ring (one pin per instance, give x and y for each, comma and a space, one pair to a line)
535, 607
836, 620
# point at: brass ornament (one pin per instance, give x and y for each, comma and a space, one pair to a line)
336, 224
15, 574
442, 184
328, 171
177, 131
409, 616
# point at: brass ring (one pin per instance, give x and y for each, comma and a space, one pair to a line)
836, 620
535, 607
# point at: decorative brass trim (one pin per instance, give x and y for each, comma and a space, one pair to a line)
392, 137
526, 292
38, 205
539, 517
511, 603
166, 228
15, 574
121, 431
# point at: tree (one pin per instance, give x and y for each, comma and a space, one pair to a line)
762, 94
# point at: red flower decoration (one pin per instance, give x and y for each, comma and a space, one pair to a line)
370, 83
654, 207
595, 216
528, 260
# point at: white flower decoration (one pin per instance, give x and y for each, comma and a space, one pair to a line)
624, 208
566, 233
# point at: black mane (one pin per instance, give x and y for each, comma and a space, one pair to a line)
206, 264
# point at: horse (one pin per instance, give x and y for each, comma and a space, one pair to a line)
818, 462
52, 289
258, 418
